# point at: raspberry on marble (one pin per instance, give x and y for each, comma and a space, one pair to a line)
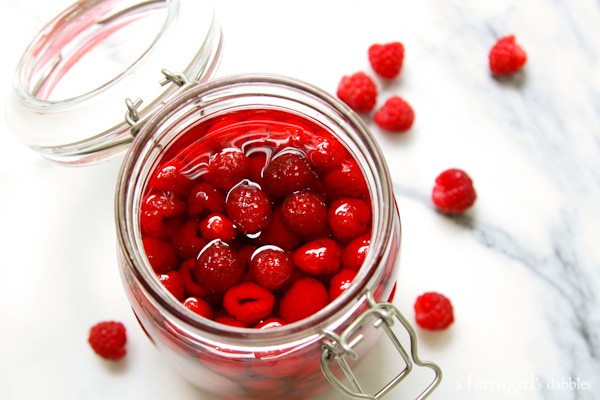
358, 91
507, 56
433, 311
453, 192
108, 340
386, 59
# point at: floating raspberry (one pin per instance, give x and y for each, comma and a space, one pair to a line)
170, 178
288, 173
396, 115
506, 56
205, 198
305, 213
108, 340
271, 267
199, 306
433, 311
319, 257
249, 208
325, 153
340, 282
305, 297
349, 218
227, 168
218, 267
160, 254
355, 252
173, 282
386, 59
159, 214
358, 91
346, 180
217, 226
249, 302
453, 191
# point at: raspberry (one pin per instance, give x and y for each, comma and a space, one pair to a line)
271, 267
506, 56
169, 177
271, 322
355, 252
160, 254
319, 257
108, 340
453, 191
249, 208
217, 226
278, 234
304, 213
340, 282
349, 218
199, 306
159, 212
205, 197
185, 240
227, 168
358, 91
288, 173
249, 302
218, 267
433, 311
305, 297
346, 180
173, 282
386, 59
325, 153
396, 115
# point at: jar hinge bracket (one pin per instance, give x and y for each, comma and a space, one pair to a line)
132, 116
338, 347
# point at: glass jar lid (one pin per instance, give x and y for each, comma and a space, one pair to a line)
72, 81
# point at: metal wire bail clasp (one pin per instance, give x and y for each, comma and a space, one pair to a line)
341, 346
132, 116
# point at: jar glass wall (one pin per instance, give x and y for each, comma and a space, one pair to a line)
237, 362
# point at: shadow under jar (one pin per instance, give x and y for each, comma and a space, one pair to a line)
282, 362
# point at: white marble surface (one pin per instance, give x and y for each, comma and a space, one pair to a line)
522, 267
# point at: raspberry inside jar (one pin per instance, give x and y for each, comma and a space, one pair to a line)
265, 197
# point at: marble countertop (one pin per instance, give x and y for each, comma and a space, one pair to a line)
522, 267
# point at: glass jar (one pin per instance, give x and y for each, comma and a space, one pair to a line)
81, 125
252, 363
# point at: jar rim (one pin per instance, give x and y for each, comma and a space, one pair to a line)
382, 198
87, 124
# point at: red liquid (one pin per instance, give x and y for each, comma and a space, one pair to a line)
173, 212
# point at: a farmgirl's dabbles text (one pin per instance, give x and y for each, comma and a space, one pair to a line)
256, 218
